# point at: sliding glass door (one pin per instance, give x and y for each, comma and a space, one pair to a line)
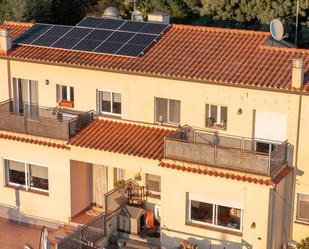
26, 97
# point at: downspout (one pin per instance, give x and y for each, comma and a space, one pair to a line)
296, 165
9, 79
273, 205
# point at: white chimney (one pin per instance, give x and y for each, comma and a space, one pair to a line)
159, 17
5, 40
298, 73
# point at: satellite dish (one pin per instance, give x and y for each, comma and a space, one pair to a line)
137, 16
277, 30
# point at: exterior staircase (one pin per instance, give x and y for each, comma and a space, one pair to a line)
62, 232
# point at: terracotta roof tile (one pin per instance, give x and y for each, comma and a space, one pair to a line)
268, 181
31, 140
221, 56
123, 137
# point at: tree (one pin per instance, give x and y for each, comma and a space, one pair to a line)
70, 11
178, 9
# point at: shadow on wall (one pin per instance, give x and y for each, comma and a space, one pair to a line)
14, 213
202, 243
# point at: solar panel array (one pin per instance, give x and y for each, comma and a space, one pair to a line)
99, 35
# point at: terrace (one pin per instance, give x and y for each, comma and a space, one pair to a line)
224, 151
51, 122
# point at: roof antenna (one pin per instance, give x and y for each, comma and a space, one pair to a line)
296, 22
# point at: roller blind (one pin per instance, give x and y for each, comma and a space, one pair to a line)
270, 126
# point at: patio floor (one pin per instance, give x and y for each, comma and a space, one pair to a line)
16, 236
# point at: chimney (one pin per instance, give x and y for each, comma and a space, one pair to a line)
298, 73
159, 17
5, 40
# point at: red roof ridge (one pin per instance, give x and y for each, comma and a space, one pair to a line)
219, 29
16, 23
285, 49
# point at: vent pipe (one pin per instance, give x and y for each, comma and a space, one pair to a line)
5, 40
298, 73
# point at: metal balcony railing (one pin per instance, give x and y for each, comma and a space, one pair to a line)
230, 152
42, 121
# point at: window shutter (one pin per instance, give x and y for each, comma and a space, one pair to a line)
58, 93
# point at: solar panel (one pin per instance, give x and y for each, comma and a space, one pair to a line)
120, 37
133, 26
153, 28
87, 45
131, 50
109, 47
99, 35
112, 24
66, 42
91, 22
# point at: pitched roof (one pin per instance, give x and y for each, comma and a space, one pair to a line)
221, 56
135, 139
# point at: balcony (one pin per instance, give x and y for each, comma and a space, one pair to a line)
229, 152
50, 122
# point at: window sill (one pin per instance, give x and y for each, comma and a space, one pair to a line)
216, 127
301, 222
24, 190
217, 229
118, 116
154, 196
171, 125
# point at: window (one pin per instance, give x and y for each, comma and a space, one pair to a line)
302, 209
264, 147
26, 175
216, 116
153, 184
65, 93
119, 176
209, 213
109, 102
167, 111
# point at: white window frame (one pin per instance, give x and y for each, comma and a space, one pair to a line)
152, 191
168, 111
27, 182
296, 207
112, 100
215, 202
218, 113
68, 90
120, 174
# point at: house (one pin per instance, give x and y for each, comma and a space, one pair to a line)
210, 121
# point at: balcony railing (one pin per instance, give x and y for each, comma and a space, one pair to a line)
230, 152
42, 121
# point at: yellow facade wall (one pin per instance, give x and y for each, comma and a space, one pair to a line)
138, 94
56, 206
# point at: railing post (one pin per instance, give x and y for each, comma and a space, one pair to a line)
269, 164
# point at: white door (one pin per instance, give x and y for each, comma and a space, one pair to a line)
25, 96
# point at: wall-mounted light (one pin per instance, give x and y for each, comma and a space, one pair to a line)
239, 112
47, 82
253, 225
